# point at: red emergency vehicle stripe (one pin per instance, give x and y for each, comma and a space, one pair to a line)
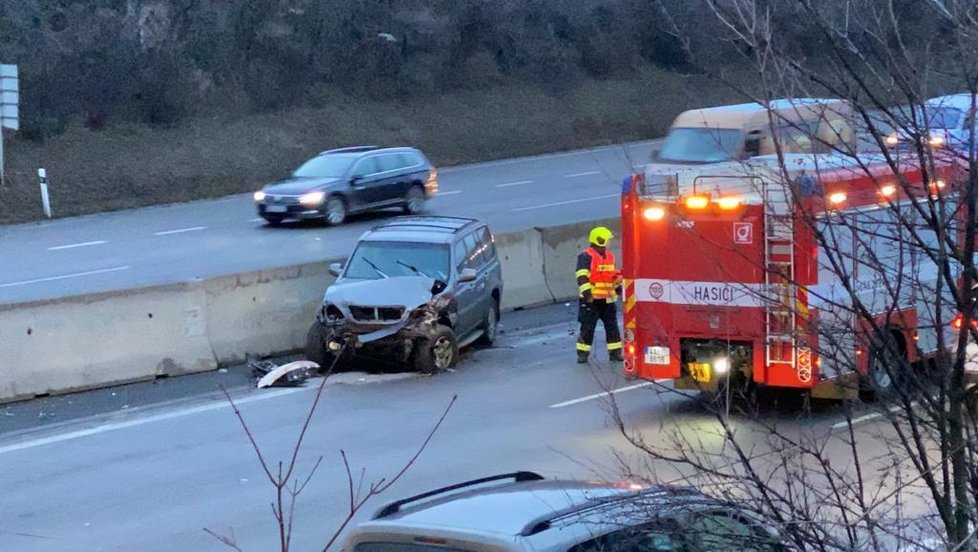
628, 287
801, 302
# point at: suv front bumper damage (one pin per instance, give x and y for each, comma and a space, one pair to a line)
394, 341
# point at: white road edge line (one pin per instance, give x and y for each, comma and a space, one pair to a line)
453, 192
65, 276
867, 417
221, 403
179, 231
258, 219
568, 202
74, 245
585, 173
604, 394
519, 183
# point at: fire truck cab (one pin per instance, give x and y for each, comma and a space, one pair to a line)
732, 274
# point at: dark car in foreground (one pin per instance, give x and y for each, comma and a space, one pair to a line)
414, 290
340, 182
522, 511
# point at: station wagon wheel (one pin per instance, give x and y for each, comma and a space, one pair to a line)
414, 200
335, 210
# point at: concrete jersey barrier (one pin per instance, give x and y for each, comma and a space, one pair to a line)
97, 340
76, 343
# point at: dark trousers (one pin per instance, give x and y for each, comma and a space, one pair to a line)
588, 315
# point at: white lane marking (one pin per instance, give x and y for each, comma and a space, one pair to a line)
259, 219
65, 276
585, 173
222, 403
519, 183
179, 231
453, 192
605, 394
868, 417
568, 202
74, 245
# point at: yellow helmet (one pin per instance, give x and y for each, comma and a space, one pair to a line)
600, 236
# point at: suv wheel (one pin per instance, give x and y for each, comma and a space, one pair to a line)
490, 326
436, 353
316, 348
335, 210
414, 200
273, 220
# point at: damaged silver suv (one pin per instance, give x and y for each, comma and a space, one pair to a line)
414, 290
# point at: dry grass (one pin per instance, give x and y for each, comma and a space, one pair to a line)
129, 165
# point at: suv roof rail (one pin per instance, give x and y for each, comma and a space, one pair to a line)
517, 477
544, 522
350, 149
453, 224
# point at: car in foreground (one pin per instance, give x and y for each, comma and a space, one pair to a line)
414, 290
340, 182
523, 511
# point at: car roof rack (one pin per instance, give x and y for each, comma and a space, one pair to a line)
453, 224
517, 477
544, 522
350, 149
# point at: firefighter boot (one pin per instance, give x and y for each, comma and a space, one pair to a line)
582, 357
616, 356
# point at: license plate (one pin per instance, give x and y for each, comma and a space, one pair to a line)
700, 371
276, 208
657, 355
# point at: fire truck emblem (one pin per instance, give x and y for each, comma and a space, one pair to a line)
656, 290
805, 365
743, 232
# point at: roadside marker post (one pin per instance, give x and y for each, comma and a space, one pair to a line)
45, 199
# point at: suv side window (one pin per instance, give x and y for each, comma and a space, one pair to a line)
473, 254
366, 167
486, 245
389, 162
664, 535
723, 531
460, 256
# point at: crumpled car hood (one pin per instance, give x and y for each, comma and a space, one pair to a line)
409, 292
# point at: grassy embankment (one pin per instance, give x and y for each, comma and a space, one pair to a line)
130, 165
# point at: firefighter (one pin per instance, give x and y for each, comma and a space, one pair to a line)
599, 284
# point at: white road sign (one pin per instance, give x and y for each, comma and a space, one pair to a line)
9, 97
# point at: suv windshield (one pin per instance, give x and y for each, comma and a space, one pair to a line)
937, 117
701, 145
372, 258
325, 166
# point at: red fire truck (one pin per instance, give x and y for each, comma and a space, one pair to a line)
732, 274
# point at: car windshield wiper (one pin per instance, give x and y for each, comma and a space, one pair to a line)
412, 268
373, 266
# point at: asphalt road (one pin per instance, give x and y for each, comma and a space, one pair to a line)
181, 242
152, 473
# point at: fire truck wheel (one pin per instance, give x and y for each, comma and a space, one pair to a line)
880, 381
436, 353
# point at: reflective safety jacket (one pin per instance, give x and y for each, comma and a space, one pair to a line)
596, 274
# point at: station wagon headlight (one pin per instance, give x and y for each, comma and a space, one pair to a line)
312, 199
259, 196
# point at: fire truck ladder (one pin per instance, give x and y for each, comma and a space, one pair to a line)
780, 316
